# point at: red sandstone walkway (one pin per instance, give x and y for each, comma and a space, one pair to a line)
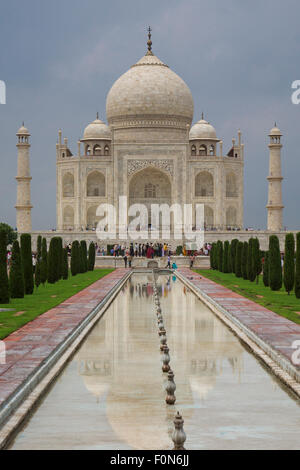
276, 331
27, 347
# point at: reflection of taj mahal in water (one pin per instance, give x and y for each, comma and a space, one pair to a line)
149, 153
109, 362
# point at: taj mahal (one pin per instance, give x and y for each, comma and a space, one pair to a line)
150, 152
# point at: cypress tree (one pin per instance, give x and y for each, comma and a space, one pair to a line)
289, 263
59, 258
220, 255
266, 270
238, 259
256, 260
4, 285
16, 277
297, 274
275, 271
229, 262
245, 260
233, 253
65, 270
26, 255
211, 255
52, 268
37, 277
250, 272
75, 258
44, 262
84, 255
92, 257
225, 257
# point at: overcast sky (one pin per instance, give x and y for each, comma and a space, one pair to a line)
60, 58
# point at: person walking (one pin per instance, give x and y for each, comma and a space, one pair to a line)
125, 259
169, 262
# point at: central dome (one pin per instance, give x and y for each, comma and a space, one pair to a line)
151, 93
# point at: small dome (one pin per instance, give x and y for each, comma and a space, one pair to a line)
275, 131
203, 130
97, 130
23, 130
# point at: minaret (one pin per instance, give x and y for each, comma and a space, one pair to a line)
23, 205
275, 178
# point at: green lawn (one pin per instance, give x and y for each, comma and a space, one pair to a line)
279, 302
43, 299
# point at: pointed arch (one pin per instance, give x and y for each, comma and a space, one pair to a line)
95, 185
204, 184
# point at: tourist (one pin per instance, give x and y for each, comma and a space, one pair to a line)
192, 260
169, 262
33, 263
125, 259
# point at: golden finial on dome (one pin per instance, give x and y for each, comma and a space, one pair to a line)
149, 42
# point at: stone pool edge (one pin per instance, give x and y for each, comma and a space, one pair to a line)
279, 365
20, 404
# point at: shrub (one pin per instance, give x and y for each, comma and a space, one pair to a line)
178, 250
26, 255
238, 259
92, 257
44, 262
266, 270
4, 286
245, 260
275, 271
16, 277
110, 247
289, 263
297, 274
225, 257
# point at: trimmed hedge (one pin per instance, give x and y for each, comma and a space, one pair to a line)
275, 271
4, 285
225, 257
266, 270
289, 263
16, 276
245, 260
44, 262
26, 255
37, 276
238, 259
75, 258
92, 257
297, 274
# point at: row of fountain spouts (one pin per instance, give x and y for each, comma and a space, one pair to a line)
178, 436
